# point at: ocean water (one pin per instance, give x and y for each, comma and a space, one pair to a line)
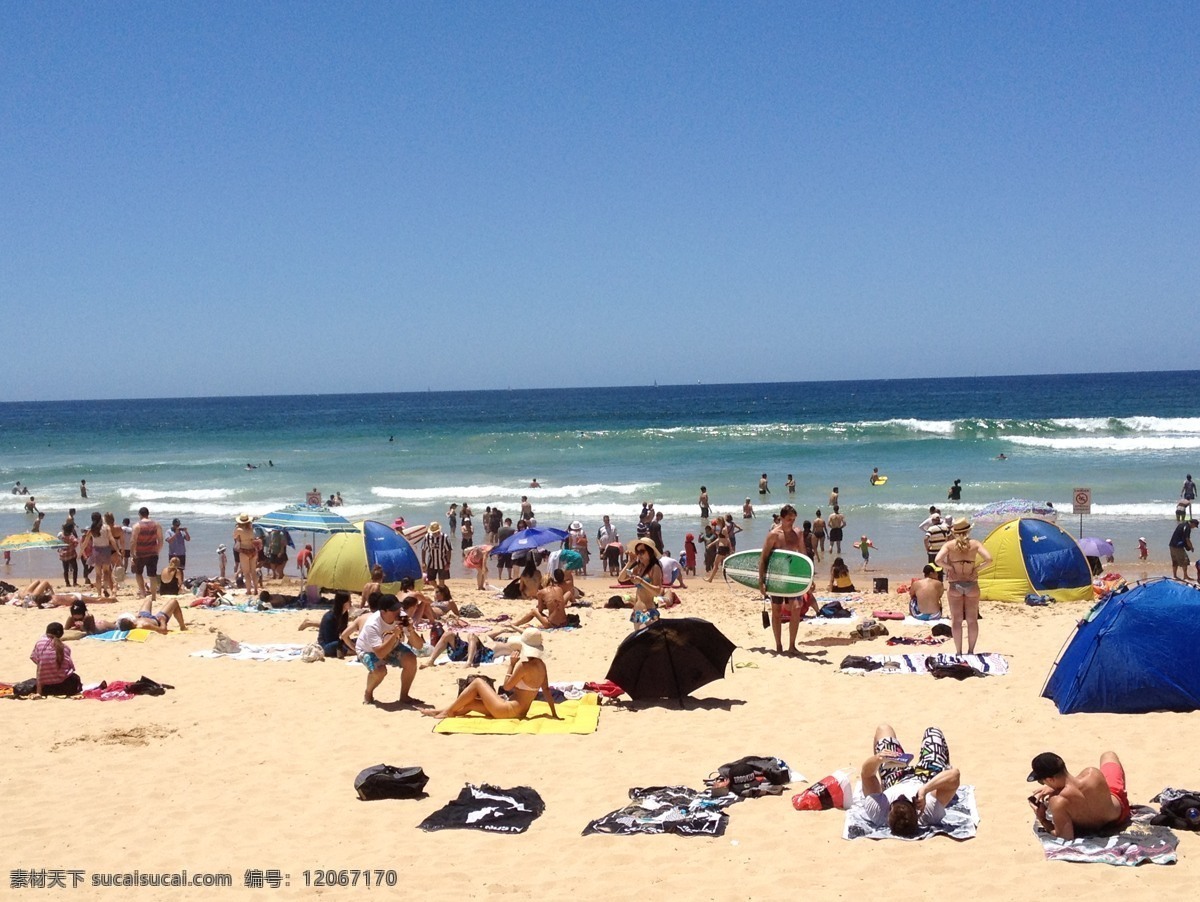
1130, 437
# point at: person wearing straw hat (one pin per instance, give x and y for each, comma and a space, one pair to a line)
435, 554
960, 559
526, 677
246, 544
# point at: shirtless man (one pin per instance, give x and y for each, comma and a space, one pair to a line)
703, 503
787, 537
40, 594
925, 596
959, 558
1070, 805
837, 524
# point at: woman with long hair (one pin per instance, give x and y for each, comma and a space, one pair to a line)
98, 545
646, 574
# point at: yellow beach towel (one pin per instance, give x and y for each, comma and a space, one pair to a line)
578, 716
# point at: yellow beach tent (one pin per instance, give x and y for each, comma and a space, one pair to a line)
1034, 556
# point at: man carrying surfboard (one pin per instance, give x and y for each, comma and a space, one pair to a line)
784, 536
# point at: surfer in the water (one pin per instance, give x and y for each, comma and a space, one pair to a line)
787, 537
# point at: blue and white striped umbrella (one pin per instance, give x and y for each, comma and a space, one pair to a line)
306, 518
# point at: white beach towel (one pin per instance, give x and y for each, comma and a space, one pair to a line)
274, 652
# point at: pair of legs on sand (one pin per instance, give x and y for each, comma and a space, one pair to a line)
148, 620
963, 598
377, 670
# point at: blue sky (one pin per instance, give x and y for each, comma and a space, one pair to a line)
245, 198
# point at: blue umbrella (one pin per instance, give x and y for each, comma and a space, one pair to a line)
529, 539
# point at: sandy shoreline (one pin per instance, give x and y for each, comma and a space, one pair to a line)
250, 765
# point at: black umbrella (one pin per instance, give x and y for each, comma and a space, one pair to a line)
670, 658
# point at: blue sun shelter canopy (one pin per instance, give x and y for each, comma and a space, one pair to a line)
390, 551
1134, 653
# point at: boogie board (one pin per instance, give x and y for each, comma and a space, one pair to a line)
880, 480
789, 573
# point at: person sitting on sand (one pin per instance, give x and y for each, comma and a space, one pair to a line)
672, 571
551, 608
1069, 805
384, 640
330, 626
839, 577
906, 796
526, 677
530, 580
55, 670
960, 559
147, 620
925, 595
443, 604
170, 581
473, 648
80, 619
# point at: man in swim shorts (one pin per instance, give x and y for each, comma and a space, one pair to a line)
784, 536
903, 794
1069, 805
1181, 544
147, 543
925, 595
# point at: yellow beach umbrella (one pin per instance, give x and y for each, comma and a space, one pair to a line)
23, 541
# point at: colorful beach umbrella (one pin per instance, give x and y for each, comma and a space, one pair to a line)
529, 539
307, 518
23, 541
1003, 511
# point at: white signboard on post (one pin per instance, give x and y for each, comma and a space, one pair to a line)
1083, 501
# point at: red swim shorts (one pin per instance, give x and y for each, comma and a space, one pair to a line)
1114, 776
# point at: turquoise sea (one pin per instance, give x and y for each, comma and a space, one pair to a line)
1130, 437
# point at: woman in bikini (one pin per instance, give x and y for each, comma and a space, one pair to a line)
723, 548
247, 546
646, 574
960, 558
526, 677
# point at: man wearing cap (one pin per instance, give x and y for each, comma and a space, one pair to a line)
1069, 805
1181, 544
383, 641
907, 796
784, 536
435, 554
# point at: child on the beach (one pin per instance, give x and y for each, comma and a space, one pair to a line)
221, 559
1143, 548
689, 553
865, 545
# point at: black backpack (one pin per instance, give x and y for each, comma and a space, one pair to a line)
755, 775
383, 781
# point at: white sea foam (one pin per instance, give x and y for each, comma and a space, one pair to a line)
537, 496
1130, 444
141, 493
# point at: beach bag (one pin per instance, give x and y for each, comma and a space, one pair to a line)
956, 670
858, 662
312, 652
226, 646
383, 781
831, 792
834, 609
24, 689
470, 609
513, 590
573, 620
464, 682
753, 776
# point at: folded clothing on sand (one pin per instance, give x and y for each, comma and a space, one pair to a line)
989, 664
1138, 842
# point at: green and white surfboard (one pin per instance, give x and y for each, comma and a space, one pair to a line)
789, 573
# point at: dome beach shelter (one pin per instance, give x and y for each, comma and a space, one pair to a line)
1133, 653
345, 561
1034, 556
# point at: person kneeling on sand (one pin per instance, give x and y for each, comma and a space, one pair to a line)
526, 677
925, 595
384, 640
1070, 805
904, 795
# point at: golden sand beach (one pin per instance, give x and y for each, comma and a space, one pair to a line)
249, 766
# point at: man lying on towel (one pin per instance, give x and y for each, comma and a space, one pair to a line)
1068, 804
906, 795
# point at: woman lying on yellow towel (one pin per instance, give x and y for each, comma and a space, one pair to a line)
526, 676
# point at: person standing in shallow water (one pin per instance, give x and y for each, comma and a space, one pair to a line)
955, 493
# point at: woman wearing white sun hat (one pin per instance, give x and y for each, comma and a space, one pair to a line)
526, 677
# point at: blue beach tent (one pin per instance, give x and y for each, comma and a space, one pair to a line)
345, 561
1134, 652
